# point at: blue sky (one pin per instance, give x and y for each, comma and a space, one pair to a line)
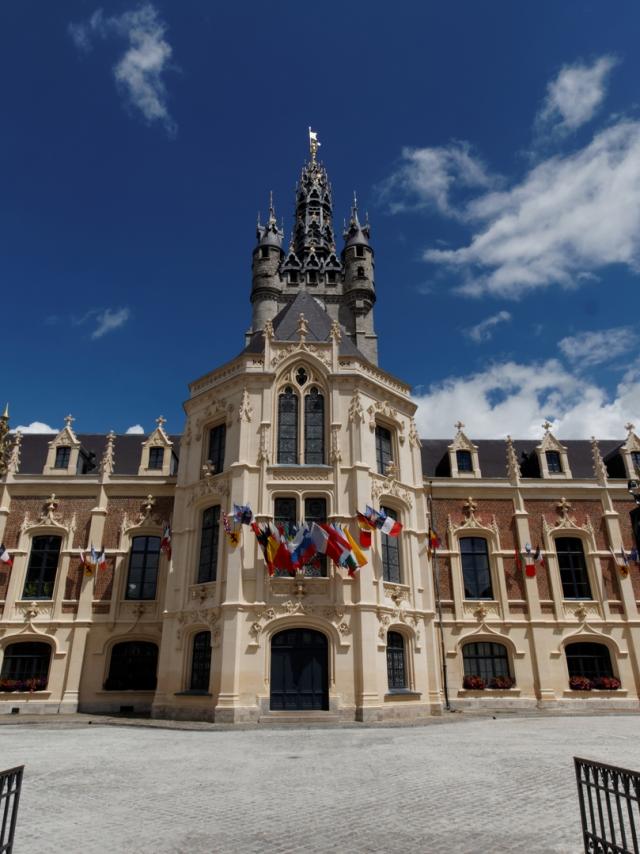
495, 145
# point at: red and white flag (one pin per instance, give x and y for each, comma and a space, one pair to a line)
391, 527
102, 560
5, 557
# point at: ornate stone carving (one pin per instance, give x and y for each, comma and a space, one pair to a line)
294, 474
302, 328
216, 409
356, 412
263, 450
389, 486
218, 485
246, 410
268, 330
385, 409
461, 442
262, 617
414, 436
334, 455
199, 616
336, 332
283, 351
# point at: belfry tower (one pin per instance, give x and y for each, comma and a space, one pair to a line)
342, 285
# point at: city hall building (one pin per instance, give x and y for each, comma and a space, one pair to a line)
303, 424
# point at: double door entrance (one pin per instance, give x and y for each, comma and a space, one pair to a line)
299, 671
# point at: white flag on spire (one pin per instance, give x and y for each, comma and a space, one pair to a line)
313, 137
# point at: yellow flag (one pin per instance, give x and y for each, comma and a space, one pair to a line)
355, 548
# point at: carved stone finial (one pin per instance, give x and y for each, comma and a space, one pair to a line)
208, 469
336, 332
268, 330
581, 613
599, 468
391, 469
147, 507
629, 427
547, 426
470, 506
356, 412
303, 327
161, 421
51, 503
513, 467
108, 457
459, 425
481, 611
564, 508
68, 420
13, 463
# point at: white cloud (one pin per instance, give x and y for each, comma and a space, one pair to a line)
483, 331
139, 71
569, 216
426, 177
575, 95
519, 397
35, 427
108, 320
135, 429
595, 348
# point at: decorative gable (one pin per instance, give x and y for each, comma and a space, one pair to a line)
463, 455
157, 454
64, 450
630, 452
552, 456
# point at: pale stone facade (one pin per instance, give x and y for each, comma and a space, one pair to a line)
312, 333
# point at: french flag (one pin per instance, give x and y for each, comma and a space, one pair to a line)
390, 527
5, 557
102, 560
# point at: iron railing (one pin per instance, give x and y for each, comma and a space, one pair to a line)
609, 807
10, 786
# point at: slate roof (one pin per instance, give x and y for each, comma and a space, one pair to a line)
127, 447
285, 326
492, 455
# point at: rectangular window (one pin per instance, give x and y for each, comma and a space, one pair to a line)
573, 568
293, 277
476, 572
314, 428
63, 457
331, 277
635, 461
464, 460
42, 568
209, 539
143, 568
383, 448
554, 464
390, 550
288, 427
359, 251
315, 510
156, 458
217, 442
312, 277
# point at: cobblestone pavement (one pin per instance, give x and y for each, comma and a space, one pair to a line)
471, 785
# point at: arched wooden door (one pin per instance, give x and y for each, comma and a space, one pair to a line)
299, 671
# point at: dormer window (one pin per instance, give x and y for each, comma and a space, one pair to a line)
359, 251
464, 460
264, 251
313, 277
63, 458
156, 458
635, 461
293, 277
554, 462
331, 278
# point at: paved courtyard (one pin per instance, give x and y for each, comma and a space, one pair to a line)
464, 785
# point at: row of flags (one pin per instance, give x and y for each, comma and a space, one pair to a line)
624, 559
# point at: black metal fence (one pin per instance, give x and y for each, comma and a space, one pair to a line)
10, 786
609, 807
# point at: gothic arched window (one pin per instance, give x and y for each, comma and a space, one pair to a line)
288, 427
314, 428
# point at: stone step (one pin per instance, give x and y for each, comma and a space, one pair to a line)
300, 717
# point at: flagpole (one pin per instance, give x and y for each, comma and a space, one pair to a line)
436, 576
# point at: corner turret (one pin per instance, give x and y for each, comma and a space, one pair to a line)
359, 282
267, 257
